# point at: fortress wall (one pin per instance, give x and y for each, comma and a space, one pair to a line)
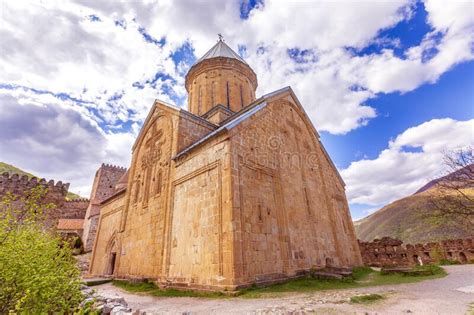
391, 252
20, 186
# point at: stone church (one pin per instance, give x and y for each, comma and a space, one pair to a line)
236, 190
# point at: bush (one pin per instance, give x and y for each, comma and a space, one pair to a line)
37, 270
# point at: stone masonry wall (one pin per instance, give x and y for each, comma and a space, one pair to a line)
106, 246
143, 220
74, 209
290, 210
391, 252
20, 186
103, 187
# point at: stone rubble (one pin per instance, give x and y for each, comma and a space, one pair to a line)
112, 306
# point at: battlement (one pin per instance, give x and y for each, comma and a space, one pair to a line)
19, 184
78, 200
74, 209
110, 166
392, 252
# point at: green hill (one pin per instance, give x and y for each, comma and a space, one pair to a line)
411, 220
4, 167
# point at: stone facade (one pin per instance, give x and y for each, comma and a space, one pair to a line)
64, 209
391, 252
250, 197
104, 186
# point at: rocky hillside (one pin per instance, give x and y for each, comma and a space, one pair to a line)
4, 167
410, 219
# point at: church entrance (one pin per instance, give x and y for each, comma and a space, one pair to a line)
111, 267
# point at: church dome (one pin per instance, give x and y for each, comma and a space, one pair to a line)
220, 77
221, 49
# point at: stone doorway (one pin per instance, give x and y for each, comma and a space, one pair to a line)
111, 266
462, 258
112, 250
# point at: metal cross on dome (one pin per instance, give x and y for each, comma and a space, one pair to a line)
221, 38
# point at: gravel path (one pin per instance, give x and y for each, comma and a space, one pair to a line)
449, 295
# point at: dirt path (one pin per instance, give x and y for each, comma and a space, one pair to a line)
449, 295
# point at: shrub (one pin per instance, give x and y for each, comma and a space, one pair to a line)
37, 270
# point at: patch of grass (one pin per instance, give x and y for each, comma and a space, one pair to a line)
362, 277
151, 289
447, 262
307, 284
367, 298
361, 272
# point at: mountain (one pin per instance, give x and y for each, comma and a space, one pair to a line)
4, 167
411, 219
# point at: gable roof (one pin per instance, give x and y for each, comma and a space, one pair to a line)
172, 108
250, 110
221, 49
235, 119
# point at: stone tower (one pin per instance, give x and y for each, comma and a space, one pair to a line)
220, 83
104, 186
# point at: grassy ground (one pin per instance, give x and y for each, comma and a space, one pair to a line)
366, 299
151, 289
362, 277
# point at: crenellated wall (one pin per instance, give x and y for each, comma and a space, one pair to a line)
18, 185
74, 209
391, 252
56, 193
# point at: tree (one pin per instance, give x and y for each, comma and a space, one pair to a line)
37, 270
453, 195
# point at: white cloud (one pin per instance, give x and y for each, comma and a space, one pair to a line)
96, 60
41, 135
400, 170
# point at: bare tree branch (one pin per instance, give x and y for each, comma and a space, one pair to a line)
453, 194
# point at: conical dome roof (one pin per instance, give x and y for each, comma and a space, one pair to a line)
221, 49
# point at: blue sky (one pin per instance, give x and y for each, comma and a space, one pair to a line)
452, 96
387, 84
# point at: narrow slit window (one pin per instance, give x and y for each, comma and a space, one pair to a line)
137, 190
199, 100
241, 97
228, 94
308, 205
158, 183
